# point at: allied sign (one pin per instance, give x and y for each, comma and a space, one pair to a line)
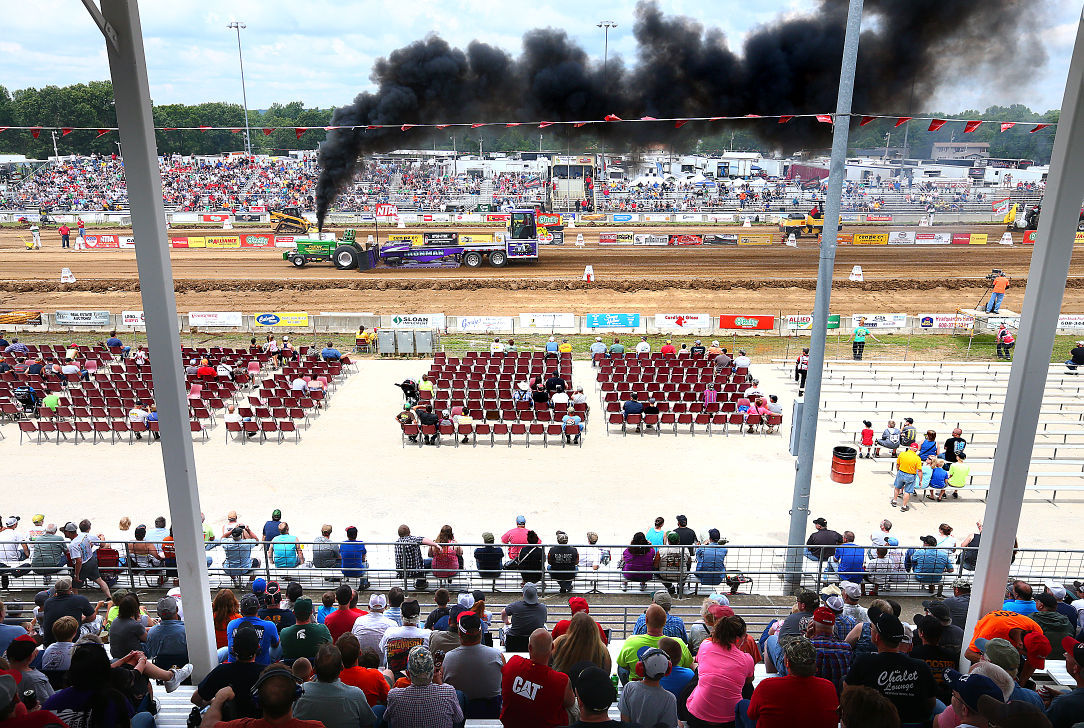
804, 322
300, 320
83, 318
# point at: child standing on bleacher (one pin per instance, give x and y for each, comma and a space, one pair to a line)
867, 439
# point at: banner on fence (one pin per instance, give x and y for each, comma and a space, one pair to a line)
83, 318
1029, 237
683, 321
945, 321
747, 321
415, 239
223, 241
721, 239
656, 217
878, 218
1000, 207
851, 217
497, 217
291, 318
217, 217
281, 241
417, 321
979, 238
804, 322
183, 217
178, 242
256, 241
475, 238
650, 239
547, 320
686, 240
214, 318
933, 238
484, 323
626, 217
257, 208
880, 320
594, 217
26, 318
621, 238
440, 238
688, 217
722, 217
961, 238
754, 239
198, 241
132, 318
468, 217
1071, 321
247, 216
95, 242
901, 238
870, 239
612, 320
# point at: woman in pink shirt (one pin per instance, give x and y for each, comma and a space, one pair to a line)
725, 672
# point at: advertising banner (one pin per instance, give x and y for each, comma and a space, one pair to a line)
178, 242
437, 217
724, 217
804, 322
247, 216
1029, 237
406, 217
300, 320
683, 321
485, 323
1071, 321
747, 321
901, 238
646, 239
755, 239
83, 318
594, 217
880, 320
419, 321
257, 208
468, 217
547, 219
878, 218
945, 321
850, 217
386, 210
979, 238
26, 318
721, 239
688, 217
547, 320
441, 238
612, 320
475, 238
256, 241
183, 217
870, 239
686, 240
620, 238
554, 235
218, 217
132, 318
497, 216
656, 217
626, 217
933, 238
214, 318
201, 242
223, 241
961, 239
281, 241
607, 239
1000, 207
415, 239
96, 242
1080, 237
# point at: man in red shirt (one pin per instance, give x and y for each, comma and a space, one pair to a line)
576, 604
797, 698
342, 619
534, 695
668, 348
517, 535
206, 371
65, 232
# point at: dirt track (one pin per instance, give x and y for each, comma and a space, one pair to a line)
725, 278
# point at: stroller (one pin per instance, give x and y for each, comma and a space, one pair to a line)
27, 399
410, 391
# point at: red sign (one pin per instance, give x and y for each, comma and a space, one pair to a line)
497, 217
686, 240
607, 238
747, 322
178, 242
386, 210
427, 218
961, 238
102, 241
878, 218
257, 241
257, 208
1029, 237
214, 218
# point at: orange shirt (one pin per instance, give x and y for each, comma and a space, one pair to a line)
999, 623
370, 681
220, 631
1000, 284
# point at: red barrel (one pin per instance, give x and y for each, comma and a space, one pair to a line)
843, 459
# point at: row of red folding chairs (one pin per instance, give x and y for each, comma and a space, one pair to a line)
642, 375
244, 431
440, 356
680, 407
510, 414
474, 371
278, 413
548, 432
95, 429
711, 424
287, 398
663, 385
622, 391
659, 357
662, 399
441, 403
488, 383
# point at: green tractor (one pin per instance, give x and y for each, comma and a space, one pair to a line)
345, 254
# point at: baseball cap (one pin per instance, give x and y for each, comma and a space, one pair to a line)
655, 662
259, 585
38, 518
250, 603
1014, 714
1070, 645
276, 514
465, 600
1036, 649
800, 651
520, 520
8, 690
21, 648
663, 599
1001, 652
69, 527
167, 605
851, 589
469, 622
530, 593
410, 608
487, 537
11, 522
303, 608
594, 689
1056, 589
890, 627
578, 604
273, 587
378, 601
718, 611
938, 610
420, 660
834, 603
682, 520
820, 522
823, 615
972, 686
961, 583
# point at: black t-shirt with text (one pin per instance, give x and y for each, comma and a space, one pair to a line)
939, 659
240, 676
954, 445
905, 681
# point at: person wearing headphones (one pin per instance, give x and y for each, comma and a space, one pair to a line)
645, 701
274, 693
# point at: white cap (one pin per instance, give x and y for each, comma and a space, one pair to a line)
1056, 589
851, 589
378, 601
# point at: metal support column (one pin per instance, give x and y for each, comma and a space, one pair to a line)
803, 477
128, 69
1038, 323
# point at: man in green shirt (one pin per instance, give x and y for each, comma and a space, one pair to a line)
304, 638
959, 473
51, 400
616, 348
656, 620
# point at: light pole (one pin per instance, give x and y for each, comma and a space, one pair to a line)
55, 152
605, 25
238, 25
455, 156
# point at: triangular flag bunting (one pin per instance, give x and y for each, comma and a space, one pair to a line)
785, 118
513, 123
204, 128
679, 124
716, 118
443, 126
578, 124
4, 128
544, 124
404, 127
902, 120
1037, 128
236, 131
824, 118
300, 131
65, 131
936, 124
866, 120
35, 131
103, 132
972, 126
612, 117
1006, 125
267, 131
475, 126
648, 118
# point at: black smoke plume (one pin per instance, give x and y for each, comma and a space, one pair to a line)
682, 69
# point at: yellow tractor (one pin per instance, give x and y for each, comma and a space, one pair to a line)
799, 222
290, 220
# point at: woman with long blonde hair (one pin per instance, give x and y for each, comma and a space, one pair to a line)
580, 643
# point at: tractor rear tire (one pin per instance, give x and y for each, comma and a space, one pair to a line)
797, 232
498, 259
298, 261
345, 257
472, 259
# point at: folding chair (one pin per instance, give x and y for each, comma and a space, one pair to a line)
235, 429
288, 426
196, 426
409, 430
267, 426
554, 430
500, 428
26, 427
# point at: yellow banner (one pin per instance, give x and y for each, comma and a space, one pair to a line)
978, 238
300, 320
475, 238
415, 239
871, 239
1079, 238
224, 241
755, 239
197, 242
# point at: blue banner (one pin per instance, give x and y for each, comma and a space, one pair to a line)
613, 320
623, 218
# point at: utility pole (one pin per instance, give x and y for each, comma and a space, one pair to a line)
605, 25
55, 152
238, 25
455, 157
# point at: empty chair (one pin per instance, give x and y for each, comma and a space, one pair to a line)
28, 429
119, 427
287, 426
500, 429
484, 429
536, 429
554, 431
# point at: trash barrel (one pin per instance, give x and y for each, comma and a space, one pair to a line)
843, 464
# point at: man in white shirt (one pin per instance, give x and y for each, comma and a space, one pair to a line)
137, 414
14, 551
396, 643
497, 347
643, 347
598, 347
741, 360
559, 399
224, 370
299, 385
370, 629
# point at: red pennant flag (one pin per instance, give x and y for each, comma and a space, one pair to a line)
103, 132
679, 124
824, 118
902, 120
785, 118
612, 117
235, 131
443, 126
578, 124
267, 131
372, 126
65, 131
404, 127
475, 126
544, 124
204, 128
1006, 125
972, 126
35, 131
3, 129
1037, 128
716, 118
753, 116
936, 124
300, 131
866, 120
648, 118
513, 123
331, 128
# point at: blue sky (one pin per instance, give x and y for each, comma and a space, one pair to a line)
320, 52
